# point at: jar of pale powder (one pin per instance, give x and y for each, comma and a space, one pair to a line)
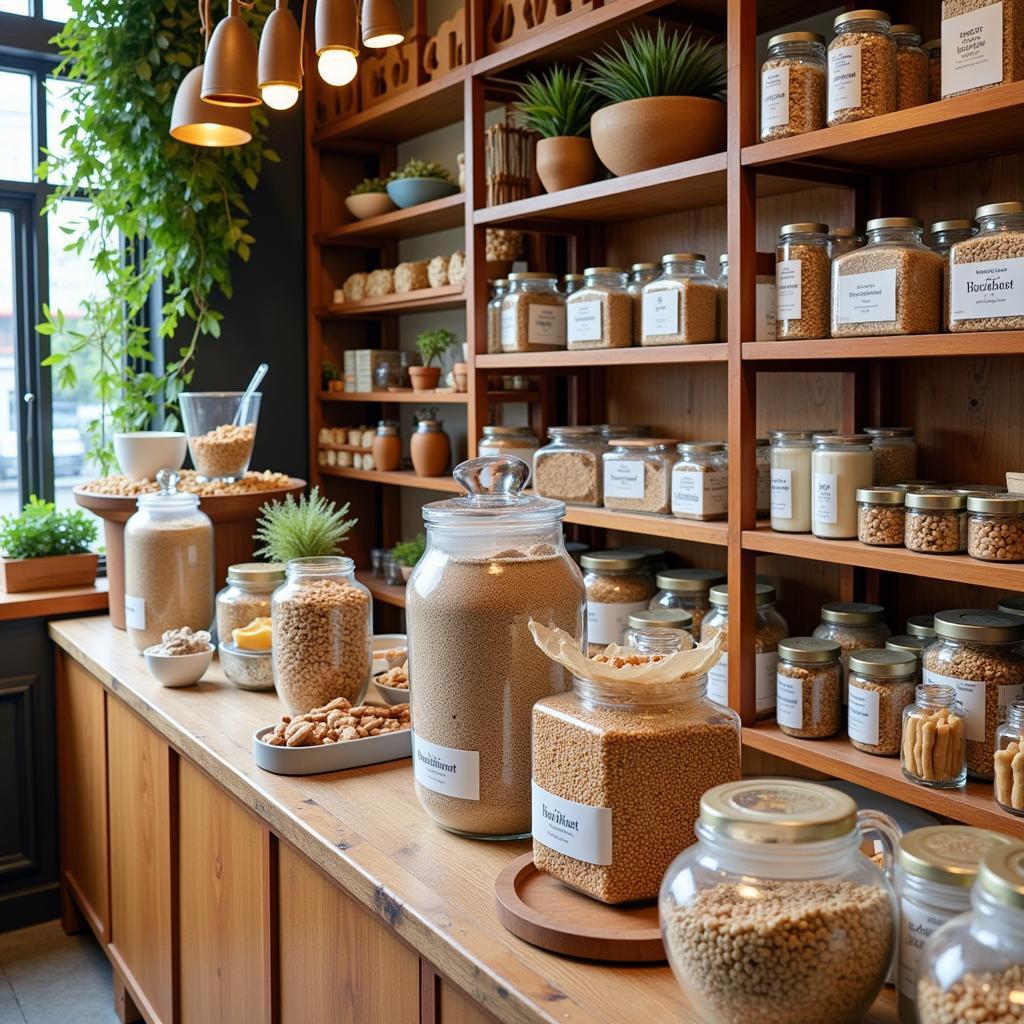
840, 465
790, 479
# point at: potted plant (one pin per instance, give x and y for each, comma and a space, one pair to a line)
44, 549
407, 553
665, 100
308, 528
331, 377
369, 199
432, 345
557, 106
430, 447
420, 181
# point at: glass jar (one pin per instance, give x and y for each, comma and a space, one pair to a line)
617, 431
571, 283
911, 67
680, 306
936, 522
769, 628
945, 234
1011, 606
988, 28
809, 688
881, 684
854, 625
1008, 760
841, 464
935, 869
895, 453
321, 634
914, 645
168, 564
700, 481
984, 271
532, 313
640, 274
638, 475
687, 589
932, 748
844, 240
793, 85
596, 749
922, 626
517, 441
673, 624
763, 479
802, 269
995, 528
880, 516
617, 585
893, 285
861, 67
979, 653
569, 467
790, 461
722, 284
764, 297
777, 866
933, 48
600, 314
494, 561
499, 289
976, 960
247, 595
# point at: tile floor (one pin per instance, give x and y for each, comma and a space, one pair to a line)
47, 977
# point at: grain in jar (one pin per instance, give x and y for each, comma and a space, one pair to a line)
841, 464
763, 477
600, 314
914, 645
861, 67
933, 48
933, 751
945, 234
640, 274
793, 85
764, 297
844, 240
1008, 760
880, 517
569, 467
891, 286
982, 43
498, 291
638, 475
687, 590
855, 626
936, 522
518, 441
995, 527
700, 479
571, 283
802, 271
808, 688
790, 481
680, 307
532, 313
881, 685
911, 67
246, 596
617, 584
895, 454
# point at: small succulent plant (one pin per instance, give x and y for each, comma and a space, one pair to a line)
423, 169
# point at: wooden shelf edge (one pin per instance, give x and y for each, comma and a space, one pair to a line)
448, 296
400, 397
637, 355
31, 604
423, 219
386, 593
648, 525
396, 478
920, 346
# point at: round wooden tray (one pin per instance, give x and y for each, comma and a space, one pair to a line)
542, 911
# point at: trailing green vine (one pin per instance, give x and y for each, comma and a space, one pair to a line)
181, 209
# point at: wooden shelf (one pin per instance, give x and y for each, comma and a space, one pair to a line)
398, 397
448, 296
448, 212
383, 592
638, 355
648, 525
972, 805
919, 346
397, 478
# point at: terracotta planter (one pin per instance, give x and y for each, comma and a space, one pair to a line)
640, 134
406, 572
430, 448
336, 385
387, 451
18, 575
565, 162
424, 378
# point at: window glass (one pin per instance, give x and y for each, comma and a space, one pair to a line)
15, 6
17, 159
61, 103
9, 501
55, 10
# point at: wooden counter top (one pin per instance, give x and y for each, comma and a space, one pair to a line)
366, 830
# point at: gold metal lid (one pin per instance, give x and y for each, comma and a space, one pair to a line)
862, 15
936, 501
577, 431
845, 233
1012, 606
914, 485
843, 439
995, 209
796, 37
874, 432
933, 44
500, 431
996, 504
882, 664
256, 572
645, 266
775, 436
977, 489
804, 228
952, 225
700, 446
807, 650
852, 613
894, 222
533, 275
764, 593
661, 618
905, 30
947, 854
589, 271
678, 257
612, 561
572, 277
979, 624
904, 642
880, 495
1001, 874
690, 581
778, 811
921, 625
643, 442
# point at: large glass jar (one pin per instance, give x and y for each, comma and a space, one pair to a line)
934, 50
895, 452
984, 45
911, 67
936, 522
532, 313
600, 314
769, 628
687, 589
922, 626
861, 67
972, 968
1008, 761
722, 284
978, 652
627, 763
854, 625
844, 240
905, 642
518, 441
802, 268
494, 561
168, 565
638, 475
681, 306
790, 460
793, 85
247, 595
499, 290
881, 685
891, 286
774, 915
700, 480
933, 752
840, 465
809, 688
640, 274
321, 634
571, 283
995, 528
569, 467
617, 584
881, 516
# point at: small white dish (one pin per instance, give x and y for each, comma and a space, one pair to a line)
392, 694
388, 642
177, 669
333, 757
143, 453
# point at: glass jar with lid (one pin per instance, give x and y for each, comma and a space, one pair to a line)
680, 306
494, 560
978, 652
861, 67
802, 269
532, 313
569, 466
687, 589
600, 314
640, 274
700, 479
246, 596
722, 284
669, 623
790, 480
518, 441
626, 762
844, 240
769, 628
617, 584
763, 468
936, 522
935, 869
809, 688
911, 67
881, 685
854, 625
793, 85
895, 452
571, 283
934, 735
922, 626
841, 464
995, 528
914, 645
880, 516
638, 474
1008, 760
1010, 606
976, 960
499, 288
168, 564
946, 233
777, 866
617, 431
893, 285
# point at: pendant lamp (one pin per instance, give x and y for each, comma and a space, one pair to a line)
280, 69
229, 75
201, 124
337, 41
382, 24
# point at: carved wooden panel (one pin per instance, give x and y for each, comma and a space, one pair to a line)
395, 71
508, 21
446, 50
334, 102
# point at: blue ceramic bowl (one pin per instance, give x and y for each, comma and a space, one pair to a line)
406, 192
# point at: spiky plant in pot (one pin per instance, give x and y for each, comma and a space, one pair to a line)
308, 528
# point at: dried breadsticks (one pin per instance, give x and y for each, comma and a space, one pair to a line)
933, 746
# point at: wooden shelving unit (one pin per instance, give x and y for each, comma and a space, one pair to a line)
386, 593
397, 397
445, 296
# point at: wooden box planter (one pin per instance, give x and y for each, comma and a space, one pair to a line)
18, 575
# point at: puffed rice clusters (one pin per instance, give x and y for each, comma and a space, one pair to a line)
124, 487
177, 642
337, 722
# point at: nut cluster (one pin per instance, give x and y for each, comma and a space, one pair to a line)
933, 745
995, 538
986, 997
877, 76
568, 476
935, 532
223, 451
616, 316
999, 245
698, 311
880, 525
806, 98
1009, 771
184, 641
252, 483
337, 722
894, 695
815, 270
1013, 35
821, 689
397, 677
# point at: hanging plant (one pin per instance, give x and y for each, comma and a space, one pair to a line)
181, 209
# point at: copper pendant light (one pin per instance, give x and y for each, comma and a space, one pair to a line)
229, 77
280, 68
201, 124
337, 40
382, 24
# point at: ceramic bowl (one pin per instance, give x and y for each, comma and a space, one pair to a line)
369, 204
408, 192
392, 694
143, 453
177, 669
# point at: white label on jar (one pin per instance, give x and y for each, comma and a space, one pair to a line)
789, 710
993, 288
863, 715
972, 50
445, 769
826, 498
972, 695
546, 326
718, 681
916, 926
508, 330
699, 494
660, 313
623, 478
607, 622
788, 289
867, 298
584, 320
766, 667
764, 298
577, 830
775, 97
134, 612
782, 494
843, 78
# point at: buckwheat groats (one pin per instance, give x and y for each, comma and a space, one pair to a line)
911, 67
861, 67
995, 528
532, 313
880, 516
793, 85
881, 685
637, 475
802, 286
569, 468
962, 26
600, 314
224, 451
681, 306
617, 584
895, 454
809, 688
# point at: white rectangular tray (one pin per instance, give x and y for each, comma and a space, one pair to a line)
334, 757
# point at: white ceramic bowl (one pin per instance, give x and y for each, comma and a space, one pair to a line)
392, 694
143, 453
388, 642
177, 669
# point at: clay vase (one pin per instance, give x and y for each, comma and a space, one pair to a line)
430, 448
424, 378
565, 162
636, 135
387, 448
460, 371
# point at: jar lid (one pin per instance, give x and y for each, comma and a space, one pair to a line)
809, 650
804, 228
842, 439
995, 209
661, 618
695, 447
894, 222
500, 282
796, 37
845, 233
913, 644
996, 504
764, 593
906, 30
621, 430
977, 489
914, 485
778, 811
615, 560
852, 613
589, 271
952, 225
1012, 606
645, 266
936, 501
692, 581
572, 277
648, 552
677, 257
863, 15
883, 664
880, 495
256, 572
874, 432
534, 275
921, 625
947, 854
168, 498
775, 436
493, 430
933, 44
573, 431
979, 624
1001, 874
643, 442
